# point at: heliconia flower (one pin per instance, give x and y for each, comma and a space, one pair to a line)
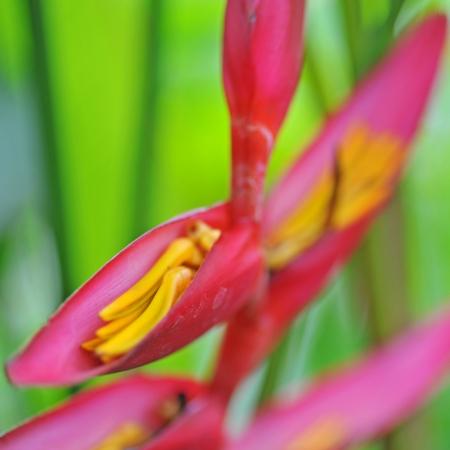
262, 55
158, 294
137, 412
317, 214
361, 402
178, 280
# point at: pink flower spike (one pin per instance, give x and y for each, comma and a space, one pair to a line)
145, 412
262, 55
221, 284
331, 202
360, 403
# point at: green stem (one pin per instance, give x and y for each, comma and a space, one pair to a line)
396, 7
380, 280
284, 364
320, 95
274, 371
389, 301
372, 270
49, 145
4, 238
146, 145
351, 15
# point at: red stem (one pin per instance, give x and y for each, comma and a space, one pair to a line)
251, 147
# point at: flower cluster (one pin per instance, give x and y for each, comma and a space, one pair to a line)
252, 262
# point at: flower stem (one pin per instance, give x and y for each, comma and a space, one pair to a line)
379, 275
146, 135
396, 7
379, 268
275, 369
351, 15
321, 98
49, 144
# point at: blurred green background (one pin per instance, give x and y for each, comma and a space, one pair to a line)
113, 119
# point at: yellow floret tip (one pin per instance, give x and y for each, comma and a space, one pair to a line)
132, 315
129, 435
359, 181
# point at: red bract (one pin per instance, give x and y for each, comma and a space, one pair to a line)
156, 411
359, 403
262, 59
219, 274
390, 100
200, 428
54, 355
389, 103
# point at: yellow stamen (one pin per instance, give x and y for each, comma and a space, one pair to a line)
366, 180
131, 316
91, 344
203, 235
118, 324
107, 358
349, 212
174, 283
302, 228
180, 251
366, 165
127, 436
172, 407
353, 145
324, 435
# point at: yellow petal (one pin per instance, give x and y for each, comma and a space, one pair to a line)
204, 235
170, 409
118, 324
303, 228
174, 283
180, 251
367, 163
351, 211
286, 251
325, 435
126, 436
92, 344
310, 214
353, 146
367, 182
106, 359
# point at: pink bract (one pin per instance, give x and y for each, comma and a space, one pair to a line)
365, 400
220, 287
392, 99
262, 58
88, 418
